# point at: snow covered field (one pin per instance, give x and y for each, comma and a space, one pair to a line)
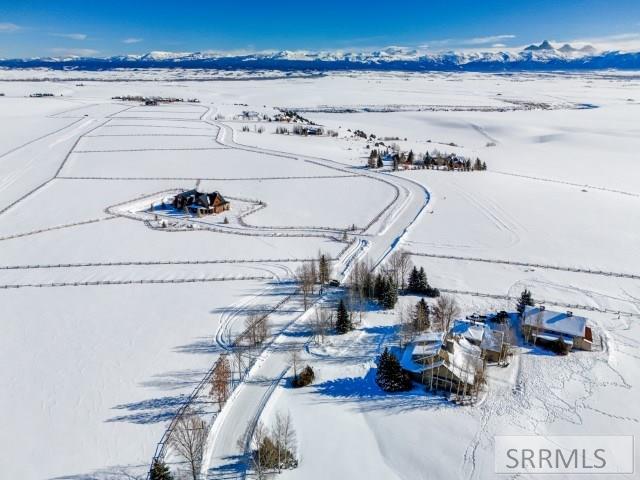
91, 374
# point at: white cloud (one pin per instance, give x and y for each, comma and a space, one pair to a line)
71, 36
628, 42
6, 27
131, 40
487, 40
461, 43
74, 52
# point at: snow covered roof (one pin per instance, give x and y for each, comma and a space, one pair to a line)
411, 364
471, 331
465, 360
429, 337
558, 322
425, 345
492, 340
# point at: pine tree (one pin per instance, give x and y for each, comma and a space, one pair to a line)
379, 287
525, 300
323, 268
390, 377
420, 317
160, 471
343, 322
414, 281
410, 157
423, 285
390, 294
380, 162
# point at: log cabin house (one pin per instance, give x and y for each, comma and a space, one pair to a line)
200, 203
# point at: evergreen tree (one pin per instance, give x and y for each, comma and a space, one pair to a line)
343, 322
390, 294
324, 267
423, 285
414, 281
373, 159
390, 377
525, 300
420, 316
160, 471
380, 162
379, 287
410, 157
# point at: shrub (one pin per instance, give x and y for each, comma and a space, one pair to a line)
305, 377
269, 457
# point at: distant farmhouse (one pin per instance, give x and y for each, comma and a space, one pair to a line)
548, 327
200, 203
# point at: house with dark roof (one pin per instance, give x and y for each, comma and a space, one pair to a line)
200, 203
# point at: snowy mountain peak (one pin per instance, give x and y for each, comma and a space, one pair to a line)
534, 57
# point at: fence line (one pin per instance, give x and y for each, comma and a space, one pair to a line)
138, 282
525, 264
540, 301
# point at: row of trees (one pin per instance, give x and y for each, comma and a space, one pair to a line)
419, 285
421, 317
428, 160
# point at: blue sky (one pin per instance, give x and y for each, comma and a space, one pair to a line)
89, 27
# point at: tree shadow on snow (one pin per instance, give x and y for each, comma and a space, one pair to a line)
154, 410
233, 468
175, 380
366, 396
202, 345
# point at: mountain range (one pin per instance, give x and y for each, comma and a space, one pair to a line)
542, 57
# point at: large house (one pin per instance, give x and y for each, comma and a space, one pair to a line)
451, 364
490, 340
546, 326
200, 203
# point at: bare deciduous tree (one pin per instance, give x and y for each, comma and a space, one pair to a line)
445, 311
321, 323
256, 328
285, 438
306, 278
220, 380
399, 265
294, 357
188, 439
259, 463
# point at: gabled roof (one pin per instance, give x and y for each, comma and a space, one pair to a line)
559, 322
